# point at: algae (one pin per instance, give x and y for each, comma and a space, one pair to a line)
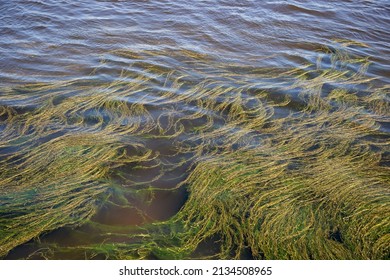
281, 163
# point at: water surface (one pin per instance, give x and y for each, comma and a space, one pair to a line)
93, 43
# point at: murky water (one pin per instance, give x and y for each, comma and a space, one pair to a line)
93, 42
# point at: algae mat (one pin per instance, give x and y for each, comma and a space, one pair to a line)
273, 163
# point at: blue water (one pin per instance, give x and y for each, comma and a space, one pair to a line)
49, 40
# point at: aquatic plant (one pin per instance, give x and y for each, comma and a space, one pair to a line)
281, 163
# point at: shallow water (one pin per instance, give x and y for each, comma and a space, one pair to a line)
56, 41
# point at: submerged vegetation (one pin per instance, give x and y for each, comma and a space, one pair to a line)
280, 163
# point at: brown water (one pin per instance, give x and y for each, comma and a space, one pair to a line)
52, 41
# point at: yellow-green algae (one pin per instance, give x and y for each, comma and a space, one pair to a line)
311, 182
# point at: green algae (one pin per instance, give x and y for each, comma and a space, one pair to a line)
309, 184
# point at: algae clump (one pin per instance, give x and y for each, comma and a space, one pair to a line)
280, 163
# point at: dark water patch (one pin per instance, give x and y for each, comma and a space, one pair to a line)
336, 236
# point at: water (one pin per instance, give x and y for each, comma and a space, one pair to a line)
55, 41
48, 40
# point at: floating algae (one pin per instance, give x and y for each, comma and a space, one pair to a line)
263, 177
56, 161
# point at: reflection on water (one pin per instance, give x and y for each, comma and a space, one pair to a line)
114, 116
45, 40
